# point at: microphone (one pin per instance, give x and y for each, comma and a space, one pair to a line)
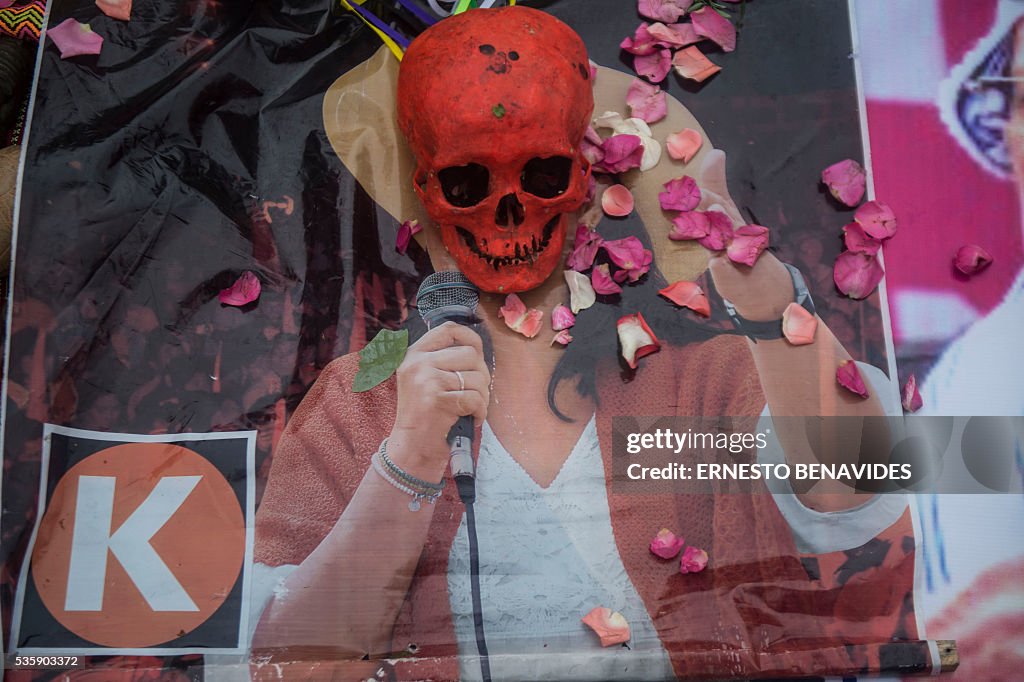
447, 296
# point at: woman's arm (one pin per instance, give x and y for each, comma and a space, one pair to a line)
798, 381
346, 594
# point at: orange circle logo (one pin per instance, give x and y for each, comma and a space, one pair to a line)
141, 543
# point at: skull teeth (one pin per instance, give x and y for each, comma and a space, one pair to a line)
522, 253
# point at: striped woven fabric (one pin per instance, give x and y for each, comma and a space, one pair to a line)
23, 20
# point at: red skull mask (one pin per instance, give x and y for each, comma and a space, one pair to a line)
494, 104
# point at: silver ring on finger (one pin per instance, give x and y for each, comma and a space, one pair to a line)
462, 382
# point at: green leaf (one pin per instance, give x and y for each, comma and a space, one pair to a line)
379, 359
498, 110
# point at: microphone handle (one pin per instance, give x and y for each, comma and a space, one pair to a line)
460, 443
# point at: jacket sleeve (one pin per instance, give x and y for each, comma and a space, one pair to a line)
321, 458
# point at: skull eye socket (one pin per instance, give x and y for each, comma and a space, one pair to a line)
546, 178
465, 186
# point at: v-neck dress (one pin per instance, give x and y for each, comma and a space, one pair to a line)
547, 557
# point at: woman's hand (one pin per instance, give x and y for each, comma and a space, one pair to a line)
431, 397
760, 292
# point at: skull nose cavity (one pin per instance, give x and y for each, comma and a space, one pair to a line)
510, 213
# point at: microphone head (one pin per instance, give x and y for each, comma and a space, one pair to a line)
447, 295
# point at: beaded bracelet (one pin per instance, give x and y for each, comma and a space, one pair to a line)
414, 504
407, 477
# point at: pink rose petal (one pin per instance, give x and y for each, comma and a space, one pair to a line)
911, 396
646, 102
654, 67
667, 544
693, 560
636, 338
617, 201
621, 153
244, 291
688, 295
849, 378
859, 241
684, 145
641, 43
73, 39
592, 146
690, 225
691, 63
710, 24
846, 181
681, 194
719, 231
630, 255
668, 11
857, 274
798, 325
603, 282
581, 292
518, 318
673, 35
971, 259
611, 626
584, 248
116, 9
405, 233
877, 219
748, 242
563, 337
562, 318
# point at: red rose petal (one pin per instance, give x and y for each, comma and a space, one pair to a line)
688, 295
684, 145
693, 560
849, 378
911, 396
673, 35
617, 201
405, 232
245, 290
518, 318
641, 43
710, 24
691, 63
719, 231
636, 338
846, 181
859, 241
857, 274
681, 194
798, 325
877, 219
630, 255
690, 225
563, 337
116, 9
611, 626
748, 242
621, 153
667, 544
668, 11
562, 318
73, 39
971, 259
603, 282
584, 248
646, 102
654, 67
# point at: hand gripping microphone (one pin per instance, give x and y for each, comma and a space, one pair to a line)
447, 296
